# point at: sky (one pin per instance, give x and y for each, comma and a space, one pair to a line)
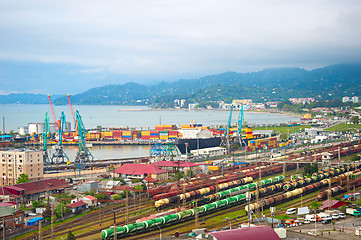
69, 46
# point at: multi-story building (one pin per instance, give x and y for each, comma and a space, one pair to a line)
301, 100
354, 99
17, 161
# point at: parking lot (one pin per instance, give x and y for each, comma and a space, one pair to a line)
344, 228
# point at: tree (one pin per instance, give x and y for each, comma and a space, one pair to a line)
355, 119
23, 178
70, 236
315, 205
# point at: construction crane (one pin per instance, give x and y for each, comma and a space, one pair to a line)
71, 109
46, 130
59, 155
83, 155
239, 123
52, 110
225, 141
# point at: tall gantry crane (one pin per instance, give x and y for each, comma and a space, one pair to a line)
46, 130
239, 123
83, 155
226, 141
59, 155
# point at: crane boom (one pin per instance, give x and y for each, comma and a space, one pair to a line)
83, 154
52, 110
45, 139
71, 109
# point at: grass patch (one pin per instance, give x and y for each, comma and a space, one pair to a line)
284, 129
282, 217
343, 127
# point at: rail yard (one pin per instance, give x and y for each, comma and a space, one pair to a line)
208, 199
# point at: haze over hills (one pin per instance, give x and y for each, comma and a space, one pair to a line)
325, 83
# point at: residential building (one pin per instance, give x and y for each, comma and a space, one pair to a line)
17, 161
301, 100
90, 200
14, 221
238, 102
141, 171
346, 99
88, 186
354, 99
78, 206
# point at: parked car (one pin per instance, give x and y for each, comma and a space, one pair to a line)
291, 211
335, 216
342, 215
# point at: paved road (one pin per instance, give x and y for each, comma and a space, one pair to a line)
327, 229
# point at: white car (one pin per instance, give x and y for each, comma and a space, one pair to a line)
291, 211
335, 216
341, 215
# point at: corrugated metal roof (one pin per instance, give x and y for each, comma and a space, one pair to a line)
6, 211
174, 164
77, 204
247, 233
139, 169
38, 186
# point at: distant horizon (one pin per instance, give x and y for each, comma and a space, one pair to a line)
2, 93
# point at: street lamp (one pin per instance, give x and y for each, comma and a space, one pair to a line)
230, 226
248, 198
160, 231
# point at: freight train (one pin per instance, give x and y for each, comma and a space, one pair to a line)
241, 189
233, 181
339, 189
212, 207
307, 189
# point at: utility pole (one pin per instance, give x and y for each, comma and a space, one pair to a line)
284, 170
184, 195
61, 208
248, 198
4, 229
115, 227
127, 208
40, 229
100, 214
52, 221
135, 203
196, 217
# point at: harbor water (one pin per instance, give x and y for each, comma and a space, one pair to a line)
138, 117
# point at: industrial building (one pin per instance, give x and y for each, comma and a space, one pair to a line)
25, 193
141, 171
18, 161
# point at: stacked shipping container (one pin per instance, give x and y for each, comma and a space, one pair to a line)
262, 143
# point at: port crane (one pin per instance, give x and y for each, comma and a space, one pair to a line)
239, 123
52, 110
83, 155
59, 155
226, 141
46, 130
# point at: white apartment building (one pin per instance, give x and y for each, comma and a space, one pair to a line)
17, 161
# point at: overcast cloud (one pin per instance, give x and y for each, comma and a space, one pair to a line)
93, 43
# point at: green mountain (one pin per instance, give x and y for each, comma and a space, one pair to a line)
325, 83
